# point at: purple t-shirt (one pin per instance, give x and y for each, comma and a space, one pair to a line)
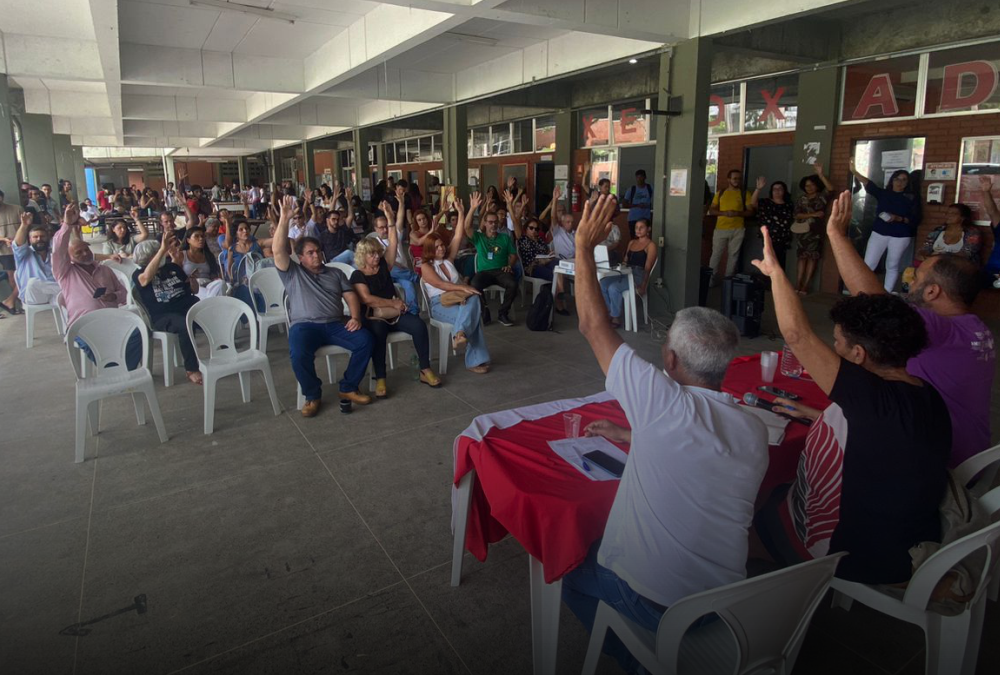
959, 362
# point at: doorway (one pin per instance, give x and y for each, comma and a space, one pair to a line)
489, 175
631, 159
774, 163
545, 183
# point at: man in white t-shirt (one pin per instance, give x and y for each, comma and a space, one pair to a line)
680, 521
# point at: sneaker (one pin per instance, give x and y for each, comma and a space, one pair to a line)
505, 320
355, 397
487, 319
311, 408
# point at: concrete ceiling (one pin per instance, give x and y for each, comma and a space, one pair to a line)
211, 78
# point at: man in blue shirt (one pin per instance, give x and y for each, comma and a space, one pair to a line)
639, 201
34, 264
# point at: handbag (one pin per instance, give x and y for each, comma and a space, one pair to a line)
388, 314
450, 298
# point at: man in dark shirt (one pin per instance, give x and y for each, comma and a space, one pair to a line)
895, 458
336, 239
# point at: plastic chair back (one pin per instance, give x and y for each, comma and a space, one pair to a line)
106, 332
267, 282
219, 318
141, 308
767, 616
343, 267
987, 462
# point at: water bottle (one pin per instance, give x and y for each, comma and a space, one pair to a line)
415, 364
790, 366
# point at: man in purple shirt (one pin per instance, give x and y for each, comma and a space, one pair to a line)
959, 360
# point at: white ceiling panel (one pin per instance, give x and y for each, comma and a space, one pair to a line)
284, 40
226, 35
48, 18
163, 25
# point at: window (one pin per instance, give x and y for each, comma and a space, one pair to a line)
771, 103
424, 149
963, 80
603, 164
523, 136
980, 156
724, 109
412, 151
346, 158
480, 142
390, 153
437, 152
594, 127
712, 164
545, 133
881, 89
629, 125
500, 139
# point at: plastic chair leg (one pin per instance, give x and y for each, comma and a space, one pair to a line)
154, 410
269, 383
82, 414
842, 601
388, 349
208, 384
597, 636
262, 329
140, 410
463, 498
94, 417
443, 347
29, 327
546, 603
300, 399
331, 369
947, 640
245, 386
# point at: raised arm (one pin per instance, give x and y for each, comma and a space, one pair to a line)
148, 273
21, 236
227, 242
818, 170
822, 362
279, 245
594, 227
455, 244
349, 198
761, 183
853, 270
857, 174
556, 205
60, 249
393, 248
474, 201
992, 210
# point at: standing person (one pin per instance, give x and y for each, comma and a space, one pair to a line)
810, 212
639, 201
316, 296
495, 258
640, 258
991, 264
50, 205
680, 520
894, 226
776, 213
731, 206
958, 235
103, 201
10, 221
34, 264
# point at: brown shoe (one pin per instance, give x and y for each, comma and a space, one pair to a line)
356, 397
311, 408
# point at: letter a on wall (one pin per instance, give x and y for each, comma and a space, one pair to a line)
878, 94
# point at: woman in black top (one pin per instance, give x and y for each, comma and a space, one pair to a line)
776, 213
373, 284
640, 258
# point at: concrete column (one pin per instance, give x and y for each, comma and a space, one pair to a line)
273, 169
80, 176
362, 138
308, 166
455, 141
685, 72
242, 170
9, 180
337, 168
64, 160
39, 150
169, 173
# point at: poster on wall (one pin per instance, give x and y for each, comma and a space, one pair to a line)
678, 182
980, 159
366, 189
810, 152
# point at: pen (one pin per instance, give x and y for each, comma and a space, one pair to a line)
586, 467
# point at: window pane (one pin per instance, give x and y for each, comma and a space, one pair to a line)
480, 142
724, 109
772, 103
604, 164
881, 89
523, 139
501, 140
712, 164
412, 151
437, 154
593, 127
963, 79
424, 149
545, 133
630, 126
390, 153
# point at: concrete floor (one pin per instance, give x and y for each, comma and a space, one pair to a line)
284, 545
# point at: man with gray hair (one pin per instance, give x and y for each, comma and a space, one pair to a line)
680, 521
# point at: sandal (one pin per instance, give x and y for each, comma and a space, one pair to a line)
458, 340
381, 391
481, 369
429, 378
13, 311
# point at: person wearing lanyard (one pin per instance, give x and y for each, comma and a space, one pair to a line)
895, 225
639, 201
495, 256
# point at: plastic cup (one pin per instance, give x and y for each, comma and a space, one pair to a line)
571, 423
768, 364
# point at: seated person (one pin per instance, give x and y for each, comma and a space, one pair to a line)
535, 253
236, 248
373, 284
120, 240
440, 277
298, 227
960, 357
495, 258
167, 293
402, 272
200, 265
680, 520
896, 452
336, 239
422, 227
33, 271
89, 213
316, 296
957, 236
563, 242
640, 257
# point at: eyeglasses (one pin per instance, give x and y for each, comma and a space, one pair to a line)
532, 229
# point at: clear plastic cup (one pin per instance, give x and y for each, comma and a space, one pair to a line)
768, 365
571, 423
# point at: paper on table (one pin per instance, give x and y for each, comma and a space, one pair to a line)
573, 450
775, 424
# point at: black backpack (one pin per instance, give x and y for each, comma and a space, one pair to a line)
540, 315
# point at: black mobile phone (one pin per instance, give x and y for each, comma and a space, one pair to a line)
606, 462
99, 292
774, 391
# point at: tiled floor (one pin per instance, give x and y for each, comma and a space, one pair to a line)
284, 545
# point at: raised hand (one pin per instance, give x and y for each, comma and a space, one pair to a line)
508, 196
348, 192
386, 208
511, 182
71, 216
556, 193
761, 182
287, 207
475, 201
596, 224
985, 183
26, 219
818, 168
840, 215
769, 266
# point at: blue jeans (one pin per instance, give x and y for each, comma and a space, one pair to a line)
465, 319
590, 583
133, 351
408, 279
615, 287
345, 256
305, 338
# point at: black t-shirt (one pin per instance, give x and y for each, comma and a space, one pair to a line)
336, 242
169, 292
894, 473
379, 284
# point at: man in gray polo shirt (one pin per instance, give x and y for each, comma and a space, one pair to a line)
316, 294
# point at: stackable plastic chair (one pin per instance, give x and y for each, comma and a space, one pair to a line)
760, 627
983, 464
170, 343
492, 288
107, 332
444, 331
31, 310
268, 284
219, 318
952, 641
632, 308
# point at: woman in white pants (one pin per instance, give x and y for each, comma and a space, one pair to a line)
895, 225
200, 264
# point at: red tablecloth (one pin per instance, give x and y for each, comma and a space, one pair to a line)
524, 488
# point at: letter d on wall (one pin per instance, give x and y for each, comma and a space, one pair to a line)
984, 81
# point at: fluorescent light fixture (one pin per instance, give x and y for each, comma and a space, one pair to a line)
245, 9
633, 61
475, 39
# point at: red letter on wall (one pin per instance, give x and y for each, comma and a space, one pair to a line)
879, 94
771, 104
721, 105
629, 117
588, 127
984, 75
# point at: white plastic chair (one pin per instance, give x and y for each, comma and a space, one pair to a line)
761, 624
631, 305
987, 463
492, 288
444, 331
952, 642
30, 310
170, 343
218, 318
343, 267
535, 283
267, 282
107, 332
